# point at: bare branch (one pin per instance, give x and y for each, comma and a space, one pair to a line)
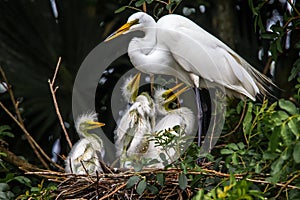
32, 140
51, 84
20, 120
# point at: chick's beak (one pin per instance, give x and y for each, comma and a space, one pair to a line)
94, 125
175, 95
135, 86
121, 30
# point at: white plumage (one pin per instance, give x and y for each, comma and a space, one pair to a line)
85, 155
177, 46
182, 118
130, 138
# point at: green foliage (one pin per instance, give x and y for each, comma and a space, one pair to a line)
12, 184
231, 190
159, 6
39, 193
5, 132
141, 184
5, 192
279, 31
183, 181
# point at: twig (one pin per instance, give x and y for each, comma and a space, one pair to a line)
267, 65
51, 84
20, 120
17, 161
287, 184
145, 7
113, 192
31, 139
238, 125
12, 97
294, 7
277, 184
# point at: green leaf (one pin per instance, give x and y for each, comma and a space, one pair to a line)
163, 157
121, 9
296, 152
226, 151
4, 131
286, 154
182, 180
292, 125
24, 180
3, 154
232, 146
199, 195
153, 189
247, 120
269, 155
141, 187
132, 181
234, 159
269, 35
288, 106
279, 46
4, 187
295, 70
241, 145
160, 179
139, 3
35, 189
274, 140
277, 166
149, 1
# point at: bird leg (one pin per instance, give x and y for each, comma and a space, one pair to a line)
199, 114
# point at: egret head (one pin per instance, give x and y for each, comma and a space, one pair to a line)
137, 21
87, 122
144, 105
130, 88
164, 97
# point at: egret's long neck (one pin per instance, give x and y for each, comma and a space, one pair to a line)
141, 47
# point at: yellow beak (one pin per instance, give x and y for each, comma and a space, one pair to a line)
134, 86
94, 125
175, 95
121, 30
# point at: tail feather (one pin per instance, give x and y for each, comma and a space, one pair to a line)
262, 81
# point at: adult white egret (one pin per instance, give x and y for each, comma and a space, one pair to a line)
85, 154
177, 46
181, 118
130, 138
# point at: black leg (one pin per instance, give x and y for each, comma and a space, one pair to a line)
199, 115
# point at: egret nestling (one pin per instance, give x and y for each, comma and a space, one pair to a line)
182, 118
177, 46
130, 137
85, 154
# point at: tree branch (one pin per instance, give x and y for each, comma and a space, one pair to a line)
51, 84
20, 120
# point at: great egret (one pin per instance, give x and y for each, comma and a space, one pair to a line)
182, 118
177, 46
85, 154
130, 138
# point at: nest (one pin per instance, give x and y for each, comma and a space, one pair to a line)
114, 185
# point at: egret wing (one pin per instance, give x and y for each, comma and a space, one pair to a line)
200, 53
